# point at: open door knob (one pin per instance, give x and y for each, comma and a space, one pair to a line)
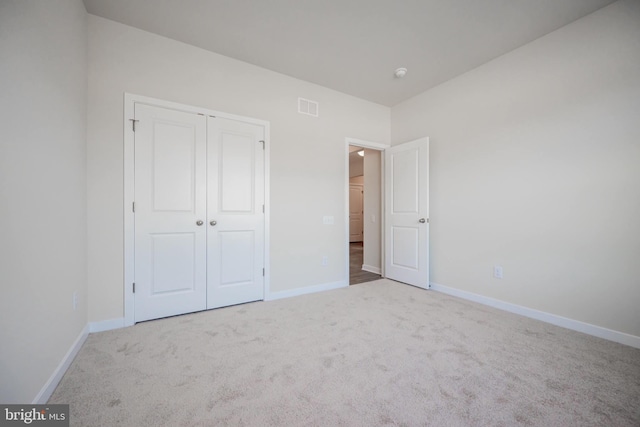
422, 220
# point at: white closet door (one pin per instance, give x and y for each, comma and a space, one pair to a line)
407, 213
235, 257
170, 200
356, 211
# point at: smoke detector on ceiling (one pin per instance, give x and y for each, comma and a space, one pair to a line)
400, 73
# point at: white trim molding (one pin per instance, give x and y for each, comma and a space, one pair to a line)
564, 322
106, 325
129, 218
53, 381
366, 144
49, 387
371, 269
373, 146
307, 290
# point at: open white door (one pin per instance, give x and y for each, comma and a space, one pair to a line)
407, 213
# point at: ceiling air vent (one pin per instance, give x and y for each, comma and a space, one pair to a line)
306, 106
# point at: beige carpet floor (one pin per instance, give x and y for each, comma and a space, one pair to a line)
376, 354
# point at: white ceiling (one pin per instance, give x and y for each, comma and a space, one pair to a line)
354, 46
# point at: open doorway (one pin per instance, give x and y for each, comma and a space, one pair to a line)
365, 206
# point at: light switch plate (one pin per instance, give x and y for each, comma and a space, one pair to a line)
327, 220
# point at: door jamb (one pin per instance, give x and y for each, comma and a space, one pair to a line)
129, 186
373, 146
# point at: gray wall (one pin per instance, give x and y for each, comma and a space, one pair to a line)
535, 166
307, 163
43, 82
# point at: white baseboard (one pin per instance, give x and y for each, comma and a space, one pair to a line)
371, 269
106, 325
575, 325
307, 290
50, 386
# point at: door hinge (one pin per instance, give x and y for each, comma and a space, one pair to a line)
133, 207
134, 287
262, 208
262, 140
133, 124
263, 272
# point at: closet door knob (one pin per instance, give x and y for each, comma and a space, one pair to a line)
199, 222
213, 223
422, 220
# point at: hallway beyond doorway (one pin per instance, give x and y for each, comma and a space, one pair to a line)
356, 273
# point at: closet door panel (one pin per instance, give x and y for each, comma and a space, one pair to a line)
170, 199
235, 259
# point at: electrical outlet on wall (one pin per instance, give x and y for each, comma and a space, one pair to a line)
497, 271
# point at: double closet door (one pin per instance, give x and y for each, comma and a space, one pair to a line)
199, 212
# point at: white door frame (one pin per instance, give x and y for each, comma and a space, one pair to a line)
373, 146
129, 189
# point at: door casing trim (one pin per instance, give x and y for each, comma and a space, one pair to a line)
373, 146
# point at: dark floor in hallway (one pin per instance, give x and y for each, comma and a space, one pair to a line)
356, 273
